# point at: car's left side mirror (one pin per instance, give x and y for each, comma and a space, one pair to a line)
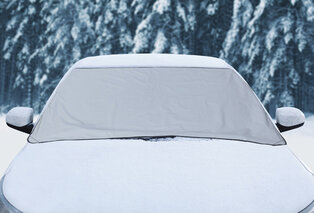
20, 118
288, 118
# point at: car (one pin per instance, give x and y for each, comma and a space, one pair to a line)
155, 133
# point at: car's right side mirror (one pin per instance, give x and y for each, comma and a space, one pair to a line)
288, 118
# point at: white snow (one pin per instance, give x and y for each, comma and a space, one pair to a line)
181, 12
141, 38
270, 37
289, 116
180, 175
174, 49
212, 8
310, 9
31, 10
139, 6
123, 8
233, 33
293, 2
74, 32
160, 42
301, 38
20, 116
191, 19
161, 6
257, 13
43, 79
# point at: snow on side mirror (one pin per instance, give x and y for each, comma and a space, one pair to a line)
288, 118
20, 118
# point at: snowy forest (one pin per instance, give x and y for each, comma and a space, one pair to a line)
270, 42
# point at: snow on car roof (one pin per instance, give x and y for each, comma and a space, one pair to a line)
151, 60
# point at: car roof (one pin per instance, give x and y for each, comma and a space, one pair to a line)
151, 60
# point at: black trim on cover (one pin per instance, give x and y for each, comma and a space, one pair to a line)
149, 137
308, 209
287, 128
26, 129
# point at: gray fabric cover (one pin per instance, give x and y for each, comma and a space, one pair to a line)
118, 102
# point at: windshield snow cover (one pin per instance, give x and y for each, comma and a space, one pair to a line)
124, 96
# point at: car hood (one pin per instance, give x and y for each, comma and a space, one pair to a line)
175, 175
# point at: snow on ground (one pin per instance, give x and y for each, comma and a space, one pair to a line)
300, 141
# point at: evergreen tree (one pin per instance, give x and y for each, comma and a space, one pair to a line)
68, 37
22, 30
175, 26
113, 28
270, 44
3, 78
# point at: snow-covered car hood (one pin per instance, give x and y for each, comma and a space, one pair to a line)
174, 175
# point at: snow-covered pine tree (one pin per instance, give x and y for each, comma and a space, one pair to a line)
3, 87
269, 43
22, 30
303, 53
68, 37
154, 21
189, 27
114, 27
212, 20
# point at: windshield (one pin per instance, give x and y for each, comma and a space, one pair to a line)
100, 103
